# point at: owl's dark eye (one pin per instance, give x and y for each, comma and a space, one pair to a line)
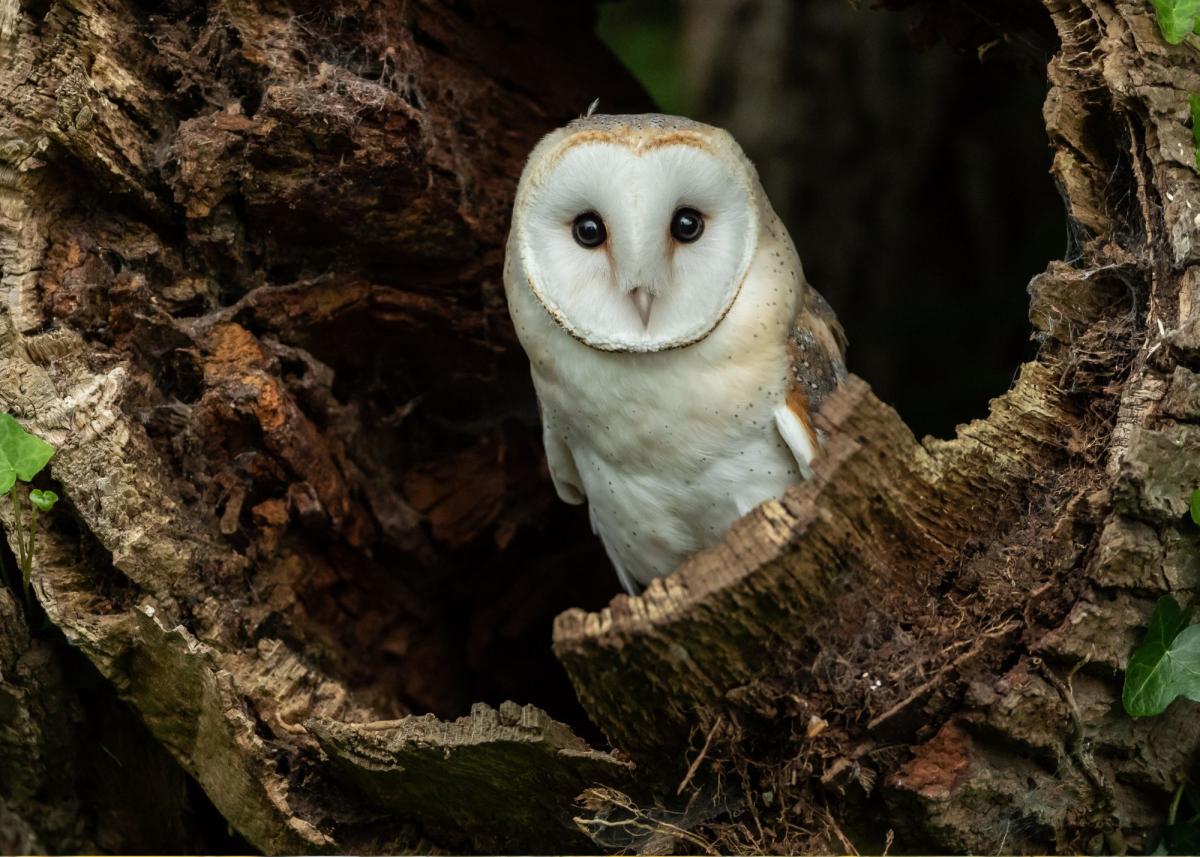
687, 225
588, 230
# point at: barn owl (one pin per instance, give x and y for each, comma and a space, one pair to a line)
677, 351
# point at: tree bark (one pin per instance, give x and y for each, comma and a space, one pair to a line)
251, 293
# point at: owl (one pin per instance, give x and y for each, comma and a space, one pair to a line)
677, 351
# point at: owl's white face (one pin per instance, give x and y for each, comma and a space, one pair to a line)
637, 244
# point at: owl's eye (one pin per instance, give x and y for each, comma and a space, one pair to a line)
687, 225
588, 230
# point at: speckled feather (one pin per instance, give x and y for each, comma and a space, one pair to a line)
671, 432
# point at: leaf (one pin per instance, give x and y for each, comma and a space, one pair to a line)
43, 500
22, 456
1195, 504
1176, 18
1194, 102
1182, 838
1166, 664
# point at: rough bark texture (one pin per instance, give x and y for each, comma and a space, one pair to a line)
250, 277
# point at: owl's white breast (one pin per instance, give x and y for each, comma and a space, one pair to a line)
670, 446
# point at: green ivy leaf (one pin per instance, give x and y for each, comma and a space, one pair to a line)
22, 456
1166, 664
1195, 504
1182, 838
1176, 18
43, 500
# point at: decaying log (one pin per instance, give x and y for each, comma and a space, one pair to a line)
250, 276
501, 780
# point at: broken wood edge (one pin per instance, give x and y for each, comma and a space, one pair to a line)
496, 779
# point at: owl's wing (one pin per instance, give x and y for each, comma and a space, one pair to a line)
817, 355
563, 472
627, 581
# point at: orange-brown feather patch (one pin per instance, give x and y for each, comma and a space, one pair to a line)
797, 403
676, 138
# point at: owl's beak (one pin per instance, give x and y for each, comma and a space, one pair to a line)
643, 299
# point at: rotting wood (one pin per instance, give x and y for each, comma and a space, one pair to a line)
499, 780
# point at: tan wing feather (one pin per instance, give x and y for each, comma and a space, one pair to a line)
817, 348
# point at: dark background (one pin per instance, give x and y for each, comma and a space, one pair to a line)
914, 179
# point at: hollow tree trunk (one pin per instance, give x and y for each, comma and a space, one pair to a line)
250, 269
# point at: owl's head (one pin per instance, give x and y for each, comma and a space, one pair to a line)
636, 232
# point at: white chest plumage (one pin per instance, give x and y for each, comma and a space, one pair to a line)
670, 447
675, 347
